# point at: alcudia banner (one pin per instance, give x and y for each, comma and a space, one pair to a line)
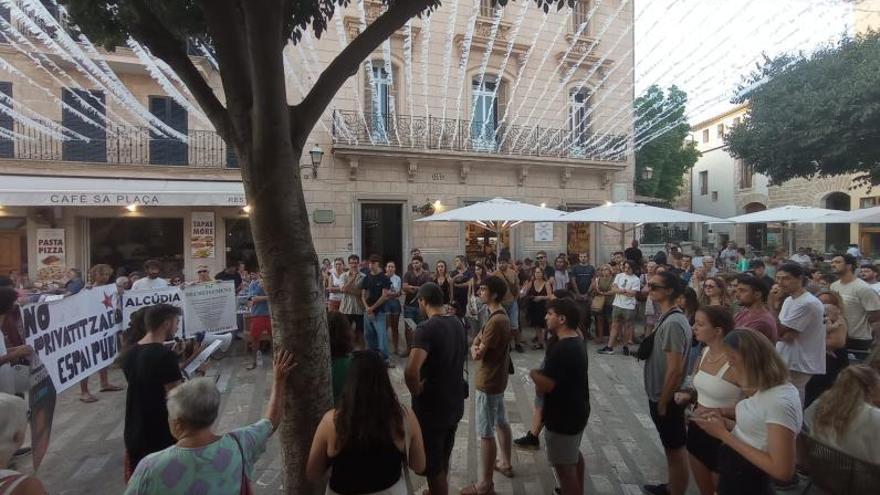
76, 336
133, 300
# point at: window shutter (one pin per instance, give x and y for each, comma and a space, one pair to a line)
7, 146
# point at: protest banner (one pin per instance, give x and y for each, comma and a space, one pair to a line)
201, 358
133, 300
76, 336
42, 405
209, 308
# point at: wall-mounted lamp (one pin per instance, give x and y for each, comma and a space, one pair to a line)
317, 155
246, 209
132, 208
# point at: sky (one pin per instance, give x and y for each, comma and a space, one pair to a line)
706, 47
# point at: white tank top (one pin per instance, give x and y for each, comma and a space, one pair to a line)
713, 391
335, 281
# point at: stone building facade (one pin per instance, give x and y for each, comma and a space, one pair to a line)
453, 109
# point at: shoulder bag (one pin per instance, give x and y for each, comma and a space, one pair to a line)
245, 482
647, 345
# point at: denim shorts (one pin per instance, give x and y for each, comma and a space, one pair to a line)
392, 307
414, 313
513, 314
490, 413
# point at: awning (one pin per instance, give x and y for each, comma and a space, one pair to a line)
30, 190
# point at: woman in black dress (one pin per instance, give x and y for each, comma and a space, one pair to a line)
538, 290
441, 278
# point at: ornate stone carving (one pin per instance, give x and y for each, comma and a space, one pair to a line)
482, 34
564, 177
463, 172
412, 167
523, 173
607, 179
372, 10
352, 168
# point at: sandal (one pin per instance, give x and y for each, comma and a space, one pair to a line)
111, 388
506, 471
473, 490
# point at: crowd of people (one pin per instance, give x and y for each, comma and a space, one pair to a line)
741, 355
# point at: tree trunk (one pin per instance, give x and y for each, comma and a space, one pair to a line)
283, 241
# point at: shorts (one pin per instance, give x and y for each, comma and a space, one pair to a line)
562, 449
357, 321
392, 307
703, 446
490, 413
413, 313
627, 315
513, 314
736, 475
672, 430
333, 305
438, 448
260, 325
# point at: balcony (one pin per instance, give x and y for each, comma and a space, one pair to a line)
352, 128
119, 145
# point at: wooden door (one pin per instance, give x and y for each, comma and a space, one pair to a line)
10, 251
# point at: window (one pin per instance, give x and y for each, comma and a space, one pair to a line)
380, 101
168, 150
869, 202
705, 135
704, 183
714, 196
580, 15
488, 8
720, 130
79, 103
579, 119
746, 174
485, 114
7, 146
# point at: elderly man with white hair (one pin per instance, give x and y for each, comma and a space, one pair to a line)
13, 411
203, 462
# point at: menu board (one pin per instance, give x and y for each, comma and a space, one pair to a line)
202, 235
51, 262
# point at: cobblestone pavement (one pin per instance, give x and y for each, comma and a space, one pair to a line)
621, 447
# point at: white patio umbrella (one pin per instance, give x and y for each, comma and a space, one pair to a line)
785, 214
496, 214
865, 215
628, 213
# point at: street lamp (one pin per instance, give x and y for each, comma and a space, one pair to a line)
647, 173
317, 154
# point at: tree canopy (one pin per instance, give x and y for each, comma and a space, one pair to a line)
667, 154
816, 115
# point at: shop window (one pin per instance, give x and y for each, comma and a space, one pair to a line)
125, 243
704, 182
168, 150
78, 103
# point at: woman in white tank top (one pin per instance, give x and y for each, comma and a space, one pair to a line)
334, 285
713, 387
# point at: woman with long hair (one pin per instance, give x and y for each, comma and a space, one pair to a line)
847, 416
714, 387
836, 358
689, 303
392, 306
651, 309
476, 309
366, 438
602, 298
760, 445
538, 290
714, 293
334, 284
441, 277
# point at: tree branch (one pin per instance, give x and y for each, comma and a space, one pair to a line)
305, 115
150, 31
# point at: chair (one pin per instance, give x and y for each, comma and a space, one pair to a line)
833, 471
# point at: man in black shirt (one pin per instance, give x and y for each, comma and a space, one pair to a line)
633, 253
581, 278
151, 370
230, 274
376, 287
563, 382
759, 270
435, 378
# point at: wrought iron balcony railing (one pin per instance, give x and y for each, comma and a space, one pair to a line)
433, 133
123, 145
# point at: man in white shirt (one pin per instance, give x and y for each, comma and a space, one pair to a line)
861, 305
728, 256
802, 258
625, 287
152, 280
801, 326
870, 273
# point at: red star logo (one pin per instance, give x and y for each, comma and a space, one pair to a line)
108, 300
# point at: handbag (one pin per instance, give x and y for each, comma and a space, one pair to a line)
245, 482
597, 304
646, 347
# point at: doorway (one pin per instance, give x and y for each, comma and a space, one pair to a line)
382, 231
13, 246
756, 233
837, 234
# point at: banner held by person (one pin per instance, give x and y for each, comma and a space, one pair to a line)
209, 308
133, 300
76, 336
